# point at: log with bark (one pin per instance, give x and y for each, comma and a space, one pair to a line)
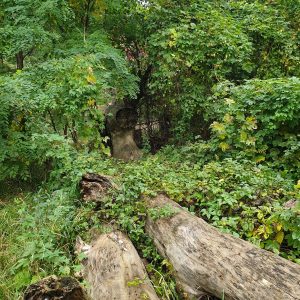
207, 261
114, 270
94, 187
54, 288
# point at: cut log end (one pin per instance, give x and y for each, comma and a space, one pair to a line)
114, 270
94, 187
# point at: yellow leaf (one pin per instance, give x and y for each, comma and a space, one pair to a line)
251, 140
228, 119
188, 64
251, 122
260, 215
243, 136
224, 146
260, 158
297, 186
173, 32
91, 79
229, 101
279, 237
171, 43
91, 102
278, 227
218, 127
105, 150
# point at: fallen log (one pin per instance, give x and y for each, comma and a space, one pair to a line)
54, 288
208, 262
114, 270
95, 187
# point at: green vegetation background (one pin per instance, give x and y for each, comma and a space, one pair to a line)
225, 76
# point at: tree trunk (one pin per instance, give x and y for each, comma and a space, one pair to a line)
20, 60
120, 123
124, 146
209, 262
114, 270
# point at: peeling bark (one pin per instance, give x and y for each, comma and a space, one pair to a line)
209, 262
54, 288
94, 187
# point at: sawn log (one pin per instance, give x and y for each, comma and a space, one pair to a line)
114, 270
207, 261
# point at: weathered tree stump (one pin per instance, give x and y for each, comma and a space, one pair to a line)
120, 123
209, 262
94, 187
114, 270
54, 288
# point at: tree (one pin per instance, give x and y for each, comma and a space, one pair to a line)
85, 10
193, 45
59, 101
30, 26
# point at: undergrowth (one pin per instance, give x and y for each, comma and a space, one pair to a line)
244, 198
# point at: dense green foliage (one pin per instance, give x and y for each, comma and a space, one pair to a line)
259, 120
197, 46
240, 197
221, 78
59, 100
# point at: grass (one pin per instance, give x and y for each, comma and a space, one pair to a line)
9, 230
224, 193
11, 195
32, 246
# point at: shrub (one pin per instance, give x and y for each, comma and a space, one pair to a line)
259, 120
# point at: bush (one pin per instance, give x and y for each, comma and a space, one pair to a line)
259, 120
59, 102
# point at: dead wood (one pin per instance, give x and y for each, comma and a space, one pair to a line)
54, 288
209, 262
94, 187
114, 270
120, 123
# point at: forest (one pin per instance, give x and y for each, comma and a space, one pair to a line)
149, 149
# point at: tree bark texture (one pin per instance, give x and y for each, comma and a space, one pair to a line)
94, 187
114, 270
209, 262
20, 60
124, 146
54, 288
